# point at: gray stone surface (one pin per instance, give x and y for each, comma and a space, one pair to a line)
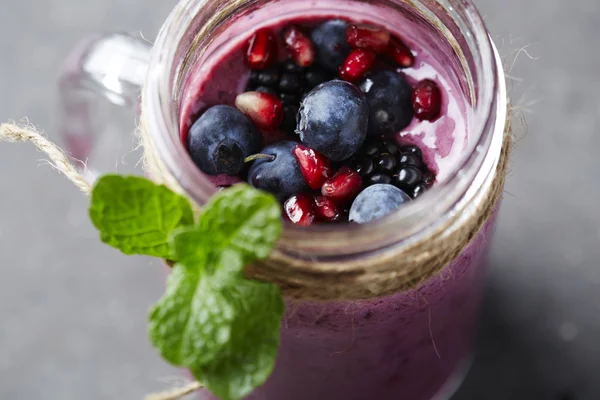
72, 311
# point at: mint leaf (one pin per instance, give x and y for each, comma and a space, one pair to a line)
248, 359
211, 320
192, 321
243, 219
137, 216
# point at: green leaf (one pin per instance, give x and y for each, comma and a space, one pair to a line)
244, 219
137, 216
211, 320
249, 357
192, 321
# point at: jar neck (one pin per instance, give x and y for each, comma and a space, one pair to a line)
195, 27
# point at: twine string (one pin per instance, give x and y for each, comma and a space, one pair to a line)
177, 393
13, 133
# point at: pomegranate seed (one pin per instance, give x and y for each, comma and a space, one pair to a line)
300, 46
400, 53
326, 210
357, 64
314, 166
262, 49
299, 209
368, 37
427, 100
263, 109
343, 187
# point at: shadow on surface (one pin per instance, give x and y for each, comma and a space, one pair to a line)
506, 364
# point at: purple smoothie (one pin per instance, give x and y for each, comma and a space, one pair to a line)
404, 346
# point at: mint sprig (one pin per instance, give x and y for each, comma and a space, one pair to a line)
137, 216
211, 320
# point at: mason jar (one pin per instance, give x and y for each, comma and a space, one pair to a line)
357, 325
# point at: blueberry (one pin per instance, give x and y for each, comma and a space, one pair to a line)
280, 176
375, 202
220, 139
330, 42
390, 104
333, 119
290, 83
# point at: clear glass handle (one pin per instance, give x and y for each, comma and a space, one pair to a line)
99, 89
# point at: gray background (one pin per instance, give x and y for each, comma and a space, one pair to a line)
72, 311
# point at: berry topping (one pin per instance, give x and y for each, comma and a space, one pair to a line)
385, 162
220, 139
400, 53
290, 82
333, 119
268, 77
299, 46
262, 49
412, 150
290, 66
263, 109
375, 202
410, 159
408, 177
389, 98
418, 190
280, 174
265, 89
314, 166
330, 42
289, 99
299, 209
364, 166
289, 118
427, 100
343, 186
368, 37
326, 210
339, 90
357, 64
315, 76
378, 178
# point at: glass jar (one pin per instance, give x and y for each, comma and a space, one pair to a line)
414, 344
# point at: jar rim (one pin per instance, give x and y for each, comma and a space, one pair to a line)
407, 222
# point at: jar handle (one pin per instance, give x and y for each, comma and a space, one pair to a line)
99, 89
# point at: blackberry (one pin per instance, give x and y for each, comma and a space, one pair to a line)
386, 162
265, 89
289, 118
269, 77
291, 83
288, 99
